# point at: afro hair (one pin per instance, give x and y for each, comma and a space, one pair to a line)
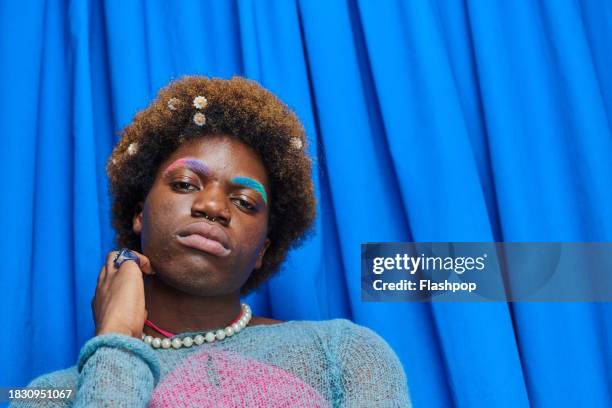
236, 107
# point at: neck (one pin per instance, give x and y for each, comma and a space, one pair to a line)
179, 312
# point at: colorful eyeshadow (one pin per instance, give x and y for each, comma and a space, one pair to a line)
191, 163
253, 184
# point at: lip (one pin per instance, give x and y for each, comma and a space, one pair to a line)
205, 237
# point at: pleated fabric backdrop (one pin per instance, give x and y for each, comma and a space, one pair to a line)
446, 120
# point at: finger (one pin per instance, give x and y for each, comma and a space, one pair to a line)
145, 264
110, 263
93, 307
101, 278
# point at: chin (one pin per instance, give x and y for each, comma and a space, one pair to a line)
198, 281
189, 285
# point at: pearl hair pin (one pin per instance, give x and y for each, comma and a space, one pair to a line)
208, 337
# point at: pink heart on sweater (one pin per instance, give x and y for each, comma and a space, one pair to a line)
214, 378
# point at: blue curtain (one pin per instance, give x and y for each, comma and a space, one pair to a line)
446, 120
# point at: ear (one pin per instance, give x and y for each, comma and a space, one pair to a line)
262, 253
137, 220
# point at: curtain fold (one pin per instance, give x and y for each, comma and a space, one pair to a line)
440, 120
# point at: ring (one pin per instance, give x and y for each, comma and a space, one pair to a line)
125, 255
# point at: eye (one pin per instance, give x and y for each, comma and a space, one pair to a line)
182, 185
243, 203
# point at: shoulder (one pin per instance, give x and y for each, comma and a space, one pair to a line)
344, 336
340, 338
344, 329
361, 350
366, 369
327, 329
326, 325
370, 372
351, 337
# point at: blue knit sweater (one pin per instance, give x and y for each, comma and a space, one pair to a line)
291, 364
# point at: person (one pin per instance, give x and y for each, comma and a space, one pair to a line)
211, 187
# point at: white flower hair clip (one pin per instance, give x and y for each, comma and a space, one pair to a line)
132, 148
199, 119
296, 143
173, 103
200, 102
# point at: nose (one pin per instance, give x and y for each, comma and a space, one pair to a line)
211, 202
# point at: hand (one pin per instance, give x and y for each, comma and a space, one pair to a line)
119, 303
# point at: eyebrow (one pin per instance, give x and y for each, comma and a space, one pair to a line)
196, 165
252, 184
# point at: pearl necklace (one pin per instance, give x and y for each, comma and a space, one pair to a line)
209, 337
